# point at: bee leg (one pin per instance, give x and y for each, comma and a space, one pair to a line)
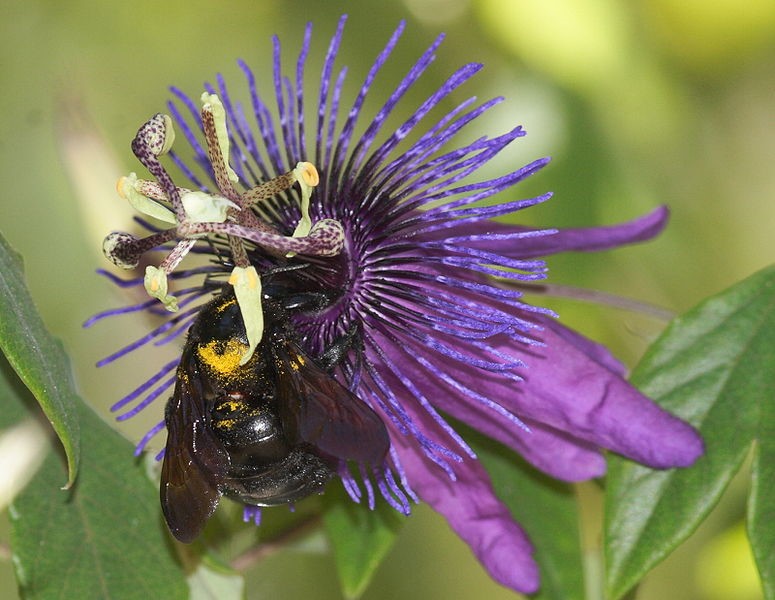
339, 348
307, 302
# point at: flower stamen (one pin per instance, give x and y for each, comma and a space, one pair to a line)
268, 189
247, 288
307, 176
197, 214
156, 278
132, 189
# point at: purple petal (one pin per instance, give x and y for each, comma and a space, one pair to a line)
474, 512
568, 388
556, 453
573, 394
599, 401
570, 385
561, 455
594, 239
584, 239
595, 350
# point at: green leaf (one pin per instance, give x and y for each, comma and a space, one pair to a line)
360, 537
104, 537
714, 367
38, 358
761, 503
546, 508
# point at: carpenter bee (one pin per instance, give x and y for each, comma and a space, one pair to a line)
265, 433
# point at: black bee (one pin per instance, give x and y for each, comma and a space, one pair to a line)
266, 433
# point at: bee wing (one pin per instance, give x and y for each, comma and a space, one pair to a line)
194, 463
317, 409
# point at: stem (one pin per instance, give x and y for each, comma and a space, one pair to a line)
260, 552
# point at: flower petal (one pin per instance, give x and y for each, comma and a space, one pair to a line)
584, 239
573, 396
571, 385
474, 512
567, 388
554, 452
594, 239
594, 349
597, 399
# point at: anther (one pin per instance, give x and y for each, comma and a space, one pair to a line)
247, 288
307, 173
128, 188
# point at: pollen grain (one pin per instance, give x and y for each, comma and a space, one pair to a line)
223, 358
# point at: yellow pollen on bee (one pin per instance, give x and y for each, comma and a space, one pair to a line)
225, 423
232, 405
225, 305
222, 358
298, 363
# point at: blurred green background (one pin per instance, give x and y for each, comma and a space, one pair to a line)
639, 103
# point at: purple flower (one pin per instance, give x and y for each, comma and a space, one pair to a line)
401, 236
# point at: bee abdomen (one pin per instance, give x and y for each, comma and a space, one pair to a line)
297, 476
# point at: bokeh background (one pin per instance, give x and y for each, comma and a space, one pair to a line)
640, 103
